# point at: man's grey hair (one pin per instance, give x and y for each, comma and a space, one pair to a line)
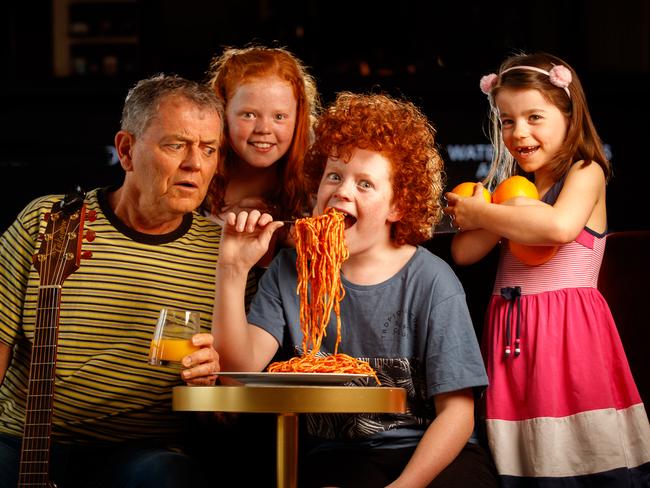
143, 100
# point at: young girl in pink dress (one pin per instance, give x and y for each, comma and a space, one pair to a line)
562, 408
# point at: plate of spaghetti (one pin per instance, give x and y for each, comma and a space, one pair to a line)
266, 378
321, 250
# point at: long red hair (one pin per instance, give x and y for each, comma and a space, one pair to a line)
237, 66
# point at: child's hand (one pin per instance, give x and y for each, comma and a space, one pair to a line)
465, 211
246, 238
248, 204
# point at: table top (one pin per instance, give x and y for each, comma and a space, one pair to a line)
289, 399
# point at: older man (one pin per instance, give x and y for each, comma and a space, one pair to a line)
112, 423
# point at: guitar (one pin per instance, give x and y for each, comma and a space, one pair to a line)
57, 258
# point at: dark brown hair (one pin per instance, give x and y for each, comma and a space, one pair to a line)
581, 142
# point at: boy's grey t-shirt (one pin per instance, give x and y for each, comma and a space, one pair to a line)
414, 329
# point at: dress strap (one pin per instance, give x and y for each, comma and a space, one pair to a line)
551, 195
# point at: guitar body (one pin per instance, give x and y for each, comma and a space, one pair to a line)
58, 257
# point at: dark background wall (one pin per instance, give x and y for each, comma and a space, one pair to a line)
56, 131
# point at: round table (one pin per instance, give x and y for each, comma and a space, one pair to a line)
287, 401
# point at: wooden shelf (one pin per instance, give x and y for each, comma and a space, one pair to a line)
97, 38
104, 40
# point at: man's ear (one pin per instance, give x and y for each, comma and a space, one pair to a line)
124, 142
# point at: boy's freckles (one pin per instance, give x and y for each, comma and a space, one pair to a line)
362, 189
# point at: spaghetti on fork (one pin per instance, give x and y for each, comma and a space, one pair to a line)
320, 245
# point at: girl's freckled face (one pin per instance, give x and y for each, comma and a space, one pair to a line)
261, 118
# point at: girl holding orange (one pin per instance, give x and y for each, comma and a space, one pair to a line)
562, 407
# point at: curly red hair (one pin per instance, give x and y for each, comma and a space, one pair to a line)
237, 66
400, 132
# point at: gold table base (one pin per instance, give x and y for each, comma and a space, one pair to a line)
288, 401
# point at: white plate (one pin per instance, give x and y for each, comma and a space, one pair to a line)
266, 378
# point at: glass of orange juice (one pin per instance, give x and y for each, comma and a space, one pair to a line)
172, 337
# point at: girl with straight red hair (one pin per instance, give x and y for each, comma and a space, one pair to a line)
271, 102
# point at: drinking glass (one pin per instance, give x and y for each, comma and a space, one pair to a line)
172, 337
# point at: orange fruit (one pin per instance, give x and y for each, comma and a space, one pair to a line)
515, 186
532, 255
467, 190
518, 186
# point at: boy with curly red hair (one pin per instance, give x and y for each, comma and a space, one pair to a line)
404, 311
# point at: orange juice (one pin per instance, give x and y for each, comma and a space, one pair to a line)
173, 349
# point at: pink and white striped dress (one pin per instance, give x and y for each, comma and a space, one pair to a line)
562, 408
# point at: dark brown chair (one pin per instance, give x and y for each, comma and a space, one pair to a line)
624, 282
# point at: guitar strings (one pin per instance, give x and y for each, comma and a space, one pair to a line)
41, 399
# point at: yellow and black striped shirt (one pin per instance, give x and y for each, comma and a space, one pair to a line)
104, 388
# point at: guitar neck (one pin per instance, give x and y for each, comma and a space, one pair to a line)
35, 450
57, 257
